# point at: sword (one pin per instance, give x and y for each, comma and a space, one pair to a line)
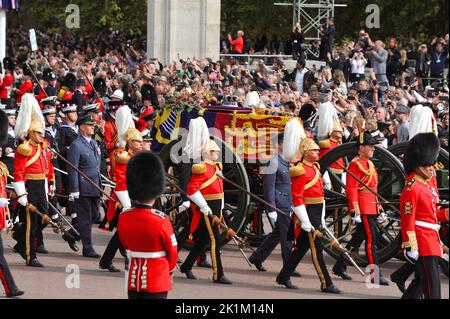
344, 250
222, 223
368, 188
63, 218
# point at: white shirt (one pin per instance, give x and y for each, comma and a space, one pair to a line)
358, 66
88, 139
299, 79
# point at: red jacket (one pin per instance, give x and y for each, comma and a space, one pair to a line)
110, 135
118, 159
359, 198
418, 205
238, 44
148, 235
325, 147
3, 181
26, 87
33, 161
8, 80
306, 184
205, 180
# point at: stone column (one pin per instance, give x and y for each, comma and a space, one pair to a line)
185, 27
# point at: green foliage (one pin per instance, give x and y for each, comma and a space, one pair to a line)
411, 20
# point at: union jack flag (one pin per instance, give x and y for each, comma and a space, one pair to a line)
9, 4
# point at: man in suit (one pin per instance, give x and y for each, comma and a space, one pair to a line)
84, 153
378, 57
327, 37
303, 77
78, 95
277, 192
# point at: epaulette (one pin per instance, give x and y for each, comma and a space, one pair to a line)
296, 170
325, 144
159, 213
198, 168
355, 159
4, 170
410, 182
219, 165
123, 157
25, 149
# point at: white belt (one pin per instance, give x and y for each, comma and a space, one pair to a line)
139, 254
435, 227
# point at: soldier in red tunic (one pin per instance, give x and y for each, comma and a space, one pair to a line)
205, 190
119, 159
6, 278
309, 210
146, 233
33, 174
363, 208
111, 138
420, 217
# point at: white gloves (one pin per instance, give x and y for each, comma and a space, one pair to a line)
124, 199
327, 181
4, 202
51, 190
200, 201
356, 218
300, 212
273, 217
411, 255
185, 206
74, 196
19, 188
445, 257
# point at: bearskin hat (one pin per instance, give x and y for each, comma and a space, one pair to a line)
3, 128
70, 81
306, 112
100, 85
8, 63
146, 92
422, 150
145, 177
26, 70
48, 75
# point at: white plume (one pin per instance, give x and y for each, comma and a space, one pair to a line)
124, 121
421, 120
293, 135
29, 110
327, 115
198, 138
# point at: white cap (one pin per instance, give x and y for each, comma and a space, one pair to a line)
118, 94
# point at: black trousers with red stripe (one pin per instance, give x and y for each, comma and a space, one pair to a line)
5, 274
366, 230
426, 282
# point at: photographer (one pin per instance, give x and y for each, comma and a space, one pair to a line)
358, 63
297, 39
378, 57
439, 55
423, 63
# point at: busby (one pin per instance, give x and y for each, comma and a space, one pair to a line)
100, 86
422, 150
145, 177
146, 92
8, 63
3, 128
48, 75
307, 111
70, 81
26, 70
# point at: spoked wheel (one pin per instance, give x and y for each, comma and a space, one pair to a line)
391, 179
441, 167
235, 204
